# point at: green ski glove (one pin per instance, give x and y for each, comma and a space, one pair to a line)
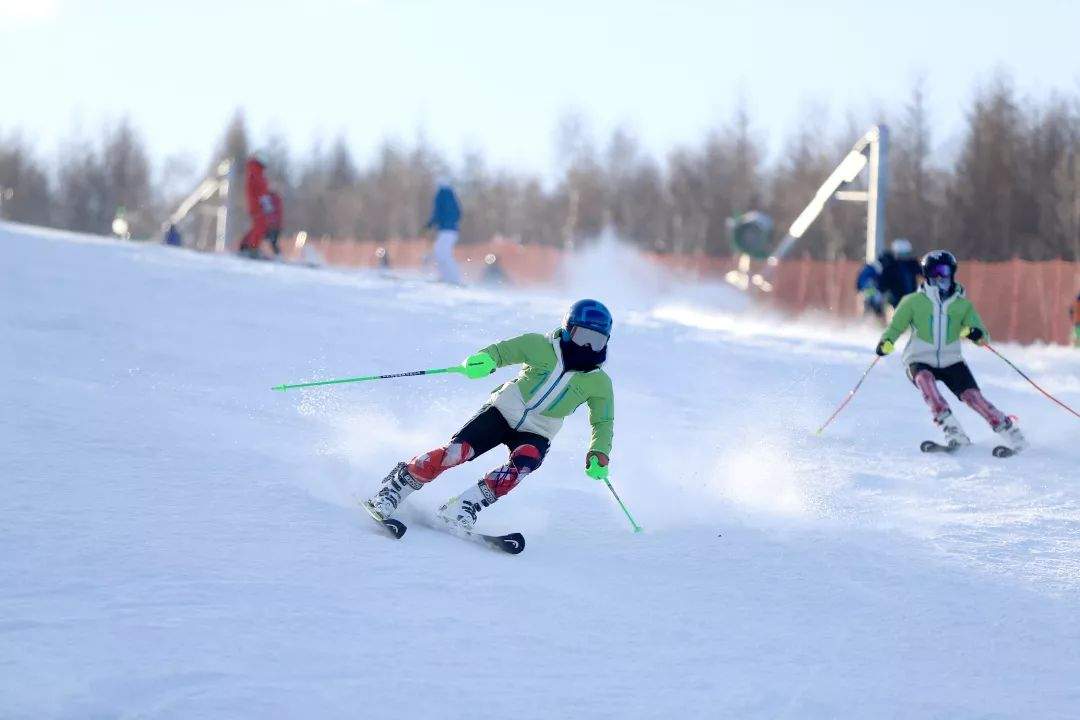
597, 465
479, 365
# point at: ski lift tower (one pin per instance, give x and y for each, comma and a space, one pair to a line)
870, 152
207, 215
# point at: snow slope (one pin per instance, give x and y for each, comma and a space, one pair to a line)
177, 541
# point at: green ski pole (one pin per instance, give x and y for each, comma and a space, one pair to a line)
364, 378
637, 528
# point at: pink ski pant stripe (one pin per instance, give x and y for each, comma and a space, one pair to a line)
927, 384
971, 397
975, 400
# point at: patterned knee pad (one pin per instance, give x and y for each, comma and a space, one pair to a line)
975, 400
523, 461
927, 384
430, 465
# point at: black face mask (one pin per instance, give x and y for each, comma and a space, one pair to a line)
581, 358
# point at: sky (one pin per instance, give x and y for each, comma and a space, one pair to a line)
498, 76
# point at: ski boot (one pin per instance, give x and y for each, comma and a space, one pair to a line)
461, 510
955, 437
1011, 437
396, 486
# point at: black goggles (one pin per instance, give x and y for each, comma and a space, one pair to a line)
939, 271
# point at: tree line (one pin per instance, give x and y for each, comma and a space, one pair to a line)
1008, 186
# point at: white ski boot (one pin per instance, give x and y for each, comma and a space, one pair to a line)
461, 511
955, 437
1011, 437
397, 486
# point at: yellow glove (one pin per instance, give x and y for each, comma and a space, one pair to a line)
884, 347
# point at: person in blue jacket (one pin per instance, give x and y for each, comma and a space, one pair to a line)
885, 282
445, 217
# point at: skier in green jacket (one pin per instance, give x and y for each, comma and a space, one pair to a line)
939, 315
560, 372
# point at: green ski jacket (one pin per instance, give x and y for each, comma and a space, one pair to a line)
935, 324
544, 394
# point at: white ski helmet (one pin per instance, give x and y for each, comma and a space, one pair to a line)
901, 247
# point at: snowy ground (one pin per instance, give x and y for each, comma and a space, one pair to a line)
177, 541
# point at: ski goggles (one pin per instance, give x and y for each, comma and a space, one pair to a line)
939, 271
587, 336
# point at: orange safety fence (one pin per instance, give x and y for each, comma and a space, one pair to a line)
1019, 301
521, 263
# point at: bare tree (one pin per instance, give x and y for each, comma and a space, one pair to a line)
82, 186
636, 205
1066, 175
1051, 144
803, 166
24, 185
125, 166
234, 144
686, 190
1013, 189
989, 208
581, 193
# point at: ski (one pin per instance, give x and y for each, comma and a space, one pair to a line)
1003, 451
929, 446
394, 527
511, 543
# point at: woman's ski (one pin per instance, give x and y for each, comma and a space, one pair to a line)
394, 527
999, 451
929, 446
511, 543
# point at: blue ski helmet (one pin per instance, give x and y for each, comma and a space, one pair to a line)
588, 314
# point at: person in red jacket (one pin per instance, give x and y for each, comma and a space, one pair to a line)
265, 214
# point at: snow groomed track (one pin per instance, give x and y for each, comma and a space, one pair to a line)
177, 541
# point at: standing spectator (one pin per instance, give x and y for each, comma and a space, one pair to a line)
275, 221
261, 207
1074, 313
867, 285
172, 236
885, 282
445, 216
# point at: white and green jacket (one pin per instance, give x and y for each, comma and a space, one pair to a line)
936, 325
544, 393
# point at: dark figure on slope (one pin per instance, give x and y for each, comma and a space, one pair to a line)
886, 281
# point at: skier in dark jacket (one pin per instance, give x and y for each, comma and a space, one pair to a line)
895, 274
1074, 313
